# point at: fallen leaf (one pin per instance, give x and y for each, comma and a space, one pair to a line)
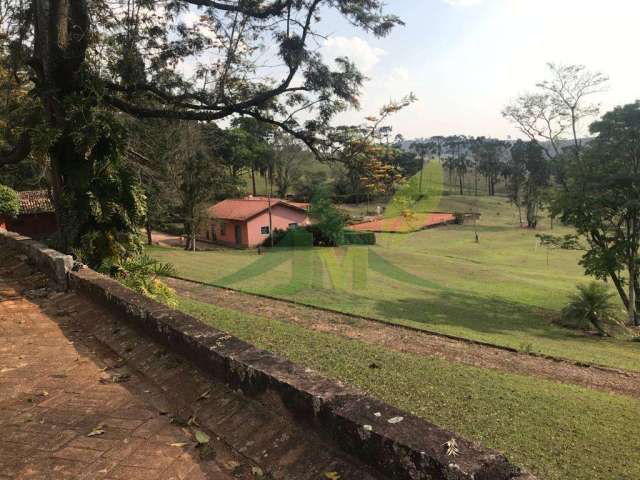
192, 421
45, 393
368, 428
179, 444
332, 476
98, 430
231, 464
257, 472
452, 447
395, 420
201, 437
204, 396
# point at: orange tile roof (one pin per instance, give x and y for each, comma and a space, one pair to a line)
35, 201
401, 224
247, 208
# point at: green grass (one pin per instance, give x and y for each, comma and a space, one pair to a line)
500, 290
557, 431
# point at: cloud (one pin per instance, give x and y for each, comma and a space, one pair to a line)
463, 3
399, 75
358, 50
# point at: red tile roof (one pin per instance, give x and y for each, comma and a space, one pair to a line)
35, 201
247, 208
401, 224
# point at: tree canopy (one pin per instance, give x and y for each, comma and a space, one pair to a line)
81, 64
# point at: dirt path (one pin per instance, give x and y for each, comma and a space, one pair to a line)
410, 341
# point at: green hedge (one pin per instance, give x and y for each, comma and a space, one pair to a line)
295, 237
9, 202
359, 238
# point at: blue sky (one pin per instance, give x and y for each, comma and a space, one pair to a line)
464, 59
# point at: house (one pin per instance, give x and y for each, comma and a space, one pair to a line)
245, 222
37, 218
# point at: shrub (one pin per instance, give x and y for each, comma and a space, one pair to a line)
459, 218
142, 273
9, 202
328, 228
295, 237
590, 307
359, 238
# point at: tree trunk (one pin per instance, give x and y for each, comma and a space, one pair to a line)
633, 317
253, 181
619, 287
461, 179
149, 236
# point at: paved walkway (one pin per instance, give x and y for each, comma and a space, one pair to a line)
84, 397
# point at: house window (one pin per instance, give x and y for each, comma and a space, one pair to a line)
223, 229
264, 230
293, 225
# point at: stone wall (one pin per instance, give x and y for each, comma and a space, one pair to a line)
51, 262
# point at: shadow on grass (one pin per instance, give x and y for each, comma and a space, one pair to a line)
484, 315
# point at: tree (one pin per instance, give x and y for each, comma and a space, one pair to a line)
288, 156
327, 220
90, 59
458, 160
155, 139
422, 149
489, 155
198, 176
528, 170
559, 105
602, 201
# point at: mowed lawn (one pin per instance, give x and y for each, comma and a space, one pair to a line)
500, 290
557, 431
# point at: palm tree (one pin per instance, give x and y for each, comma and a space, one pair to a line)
590, 305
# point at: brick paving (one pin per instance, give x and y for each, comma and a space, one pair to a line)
83, 396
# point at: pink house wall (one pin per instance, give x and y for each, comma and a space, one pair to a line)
281, 218
229, 237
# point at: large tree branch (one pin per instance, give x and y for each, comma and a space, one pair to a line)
18, 153
275, 8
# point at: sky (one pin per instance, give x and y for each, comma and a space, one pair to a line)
465, 59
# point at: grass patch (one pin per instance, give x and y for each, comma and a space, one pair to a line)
557, 431
500, 290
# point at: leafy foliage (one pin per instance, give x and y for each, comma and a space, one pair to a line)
601, 199
591, 307
142, 273
528, 174
329, 222
9, 202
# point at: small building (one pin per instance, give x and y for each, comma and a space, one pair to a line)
37, 218
245, 222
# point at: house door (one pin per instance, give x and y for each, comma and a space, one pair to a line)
238, 235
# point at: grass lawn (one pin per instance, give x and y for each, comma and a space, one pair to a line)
557, 431
500, 290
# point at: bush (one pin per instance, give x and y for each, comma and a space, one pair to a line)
9, 202
359, 238
591, 307
142, 273
172, 228
328, 229
295, 237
